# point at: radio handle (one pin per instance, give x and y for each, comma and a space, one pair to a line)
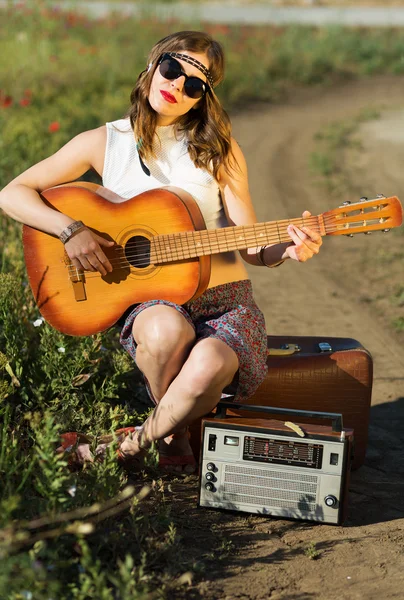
336, 418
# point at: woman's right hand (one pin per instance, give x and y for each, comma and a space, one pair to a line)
84, 249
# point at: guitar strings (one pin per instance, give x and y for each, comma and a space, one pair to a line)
169, 251
124, 262
203, 240
206, 238
189, 245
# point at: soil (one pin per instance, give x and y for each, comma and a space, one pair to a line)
251, 557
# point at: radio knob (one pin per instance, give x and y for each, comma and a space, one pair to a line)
210, 477
211, 467
209, 486
331, 501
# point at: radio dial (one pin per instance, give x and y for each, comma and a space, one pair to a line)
210, 477
211, 467
209, 486
331, 501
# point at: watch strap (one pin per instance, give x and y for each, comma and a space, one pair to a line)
70, 230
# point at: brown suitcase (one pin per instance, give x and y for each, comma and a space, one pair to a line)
336, 378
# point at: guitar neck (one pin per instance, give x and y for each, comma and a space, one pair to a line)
191, 244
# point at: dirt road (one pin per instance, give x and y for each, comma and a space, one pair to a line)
255, 558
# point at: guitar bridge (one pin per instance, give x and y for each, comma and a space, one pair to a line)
79, 290
78, 280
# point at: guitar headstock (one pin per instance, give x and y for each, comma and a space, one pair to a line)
364, 216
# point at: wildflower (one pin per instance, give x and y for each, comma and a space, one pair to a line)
61, 350
28, 93
54, 126
38, 322
72, 490
6, 101
25, 101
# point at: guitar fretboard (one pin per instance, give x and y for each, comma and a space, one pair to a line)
190, 244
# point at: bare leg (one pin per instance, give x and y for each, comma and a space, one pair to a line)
164, 339
195, 391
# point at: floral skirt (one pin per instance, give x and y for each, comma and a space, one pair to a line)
229, 313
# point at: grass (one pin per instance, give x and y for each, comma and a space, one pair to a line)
311, 552
398, 324
61, 74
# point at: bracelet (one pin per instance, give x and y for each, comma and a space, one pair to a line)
70, 230
264, 264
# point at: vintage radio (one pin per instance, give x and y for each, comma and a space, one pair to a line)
290, 470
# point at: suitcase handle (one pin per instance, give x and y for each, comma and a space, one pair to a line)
336, 418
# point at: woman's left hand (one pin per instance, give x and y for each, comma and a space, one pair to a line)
305, 241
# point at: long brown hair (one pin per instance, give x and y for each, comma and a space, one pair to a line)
207, 123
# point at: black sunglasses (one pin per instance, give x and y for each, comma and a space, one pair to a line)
171, 69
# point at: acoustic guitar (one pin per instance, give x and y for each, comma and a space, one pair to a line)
162, 250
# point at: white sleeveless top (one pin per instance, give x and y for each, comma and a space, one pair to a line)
124, 175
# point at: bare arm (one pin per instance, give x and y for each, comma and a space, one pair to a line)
240, 211
21, 200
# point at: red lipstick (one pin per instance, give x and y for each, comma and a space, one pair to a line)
168, 97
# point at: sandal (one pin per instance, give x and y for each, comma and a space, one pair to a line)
77, 447
174, 463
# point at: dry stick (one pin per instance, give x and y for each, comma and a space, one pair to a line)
20, 537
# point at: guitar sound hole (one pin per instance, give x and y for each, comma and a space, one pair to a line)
137, 251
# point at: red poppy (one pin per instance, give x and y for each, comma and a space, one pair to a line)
28, 93
6, 101
25, 102
54, 126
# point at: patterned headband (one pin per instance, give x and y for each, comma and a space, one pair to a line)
195, 63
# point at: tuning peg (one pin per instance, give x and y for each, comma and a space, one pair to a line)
380, 196
348, 234
363, 199
385, 230
346, 203
367, 232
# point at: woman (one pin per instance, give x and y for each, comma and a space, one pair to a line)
176, 133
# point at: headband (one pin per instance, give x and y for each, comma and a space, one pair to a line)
195, 63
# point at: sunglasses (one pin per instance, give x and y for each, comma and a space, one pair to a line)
171, 69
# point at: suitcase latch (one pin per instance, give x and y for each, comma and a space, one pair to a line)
284, 350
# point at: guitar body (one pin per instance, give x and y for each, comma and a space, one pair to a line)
80, 303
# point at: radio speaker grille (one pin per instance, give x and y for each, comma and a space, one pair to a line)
271, 474
269, 487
